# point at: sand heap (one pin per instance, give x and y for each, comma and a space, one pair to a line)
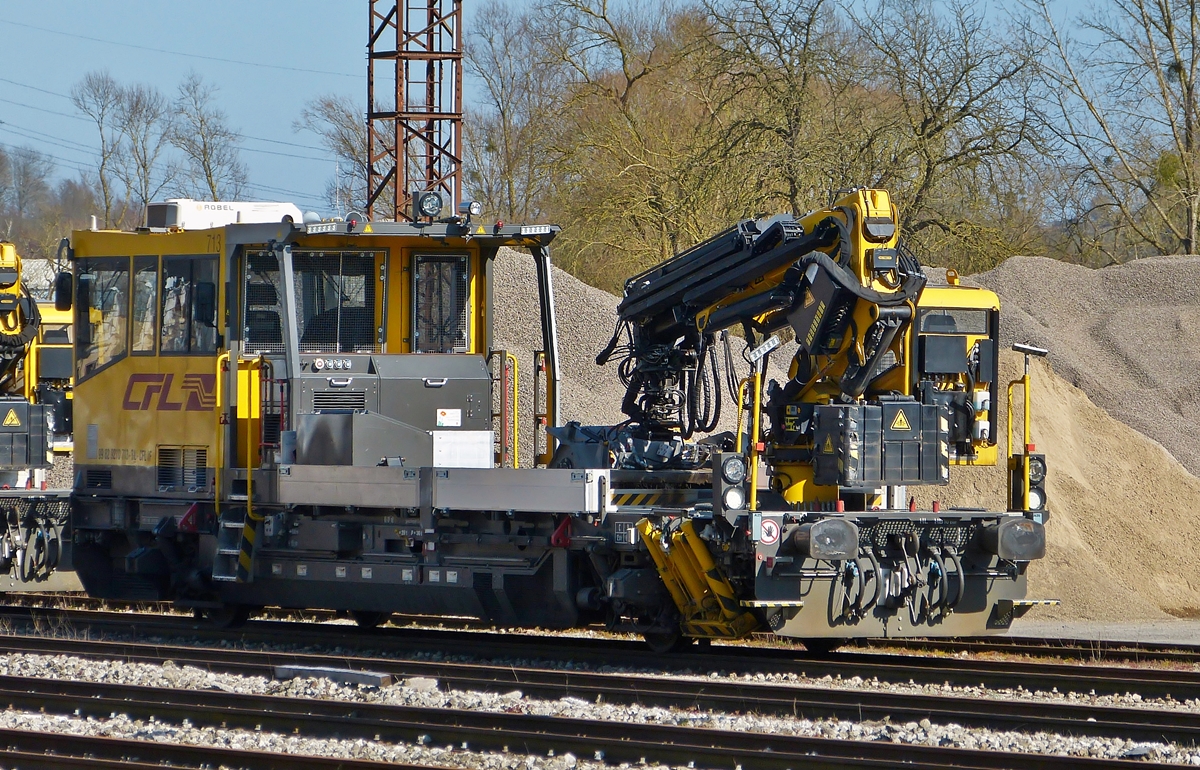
1116, 549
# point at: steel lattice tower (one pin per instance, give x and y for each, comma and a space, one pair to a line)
414, 105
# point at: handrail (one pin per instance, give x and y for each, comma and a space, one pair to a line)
502, 367
741, 431
222, 367
757, 420
255, 363
541, 420
516, 419
1023, 381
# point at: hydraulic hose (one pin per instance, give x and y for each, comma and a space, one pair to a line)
863, 609
33, 319
910, 288
943, 592
960, 577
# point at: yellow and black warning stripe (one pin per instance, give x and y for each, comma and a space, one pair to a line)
245, 568
636, 498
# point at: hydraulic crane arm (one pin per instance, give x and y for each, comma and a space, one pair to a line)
838, 276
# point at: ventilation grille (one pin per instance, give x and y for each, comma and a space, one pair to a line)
270, 430
339, 399
98, 479
180, 467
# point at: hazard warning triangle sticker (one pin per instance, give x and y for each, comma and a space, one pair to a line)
901, 421
11, 420
828, 448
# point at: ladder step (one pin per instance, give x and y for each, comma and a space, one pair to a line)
233, 525
229, 551
240, 498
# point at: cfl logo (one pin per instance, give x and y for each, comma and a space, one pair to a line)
146, 392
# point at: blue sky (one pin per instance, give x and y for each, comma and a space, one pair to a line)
268, 57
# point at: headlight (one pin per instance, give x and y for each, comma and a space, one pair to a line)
734, 471
1037, 470
470, 208
1037, 499
734, 499
430, 204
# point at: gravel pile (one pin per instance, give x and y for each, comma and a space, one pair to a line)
62, 474
1127, 335
586, 317
170, 675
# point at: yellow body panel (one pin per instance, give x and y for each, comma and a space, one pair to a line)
969, 298
124, 413
148, 399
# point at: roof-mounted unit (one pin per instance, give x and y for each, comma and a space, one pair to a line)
188, 214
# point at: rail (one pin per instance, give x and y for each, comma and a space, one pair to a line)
485, 730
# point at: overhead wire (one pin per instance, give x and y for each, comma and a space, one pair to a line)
178, 53
80, 117
67, 144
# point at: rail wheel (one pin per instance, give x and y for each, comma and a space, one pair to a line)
663, 642
369, 619
227, 615
823, 646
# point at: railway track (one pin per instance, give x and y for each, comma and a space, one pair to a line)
490, 731
1151, 683
721, 695
1084, 650
33, 750
1088, 650
899, 668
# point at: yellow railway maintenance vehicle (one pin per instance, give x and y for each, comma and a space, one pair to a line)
35, 426
306, 414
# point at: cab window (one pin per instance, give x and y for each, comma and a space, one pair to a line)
262, 322
188, 292
145, 304
335, 302
952, 320
441, 306
102, 306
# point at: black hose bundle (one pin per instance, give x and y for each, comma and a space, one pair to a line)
33, 319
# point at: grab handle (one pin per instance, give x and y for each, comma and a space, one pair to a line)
436, 383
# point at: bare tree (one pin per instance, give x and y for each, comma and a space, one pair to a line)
340, 124
30, 189
201, 131
509, 136
146, 124
778, 61
964, 96
636, 175
99, 96
1124, 102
